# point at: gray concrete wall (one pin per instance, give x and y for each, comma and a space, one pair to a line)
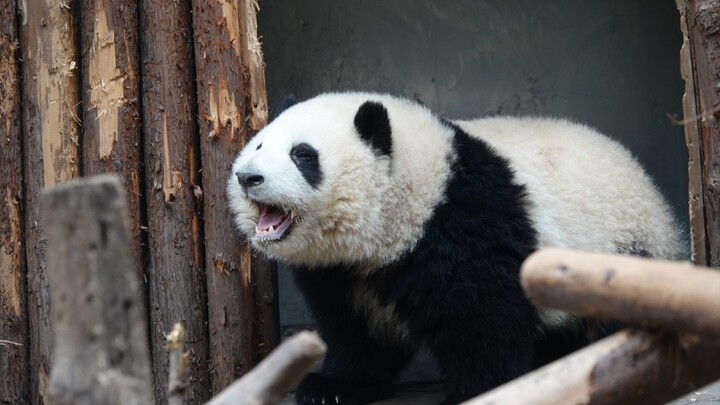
612, 64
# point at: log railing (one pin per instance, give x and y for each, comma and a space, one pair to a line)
679, 352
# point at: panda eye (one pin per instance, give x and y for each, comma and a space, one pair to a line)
304, 152
259, 146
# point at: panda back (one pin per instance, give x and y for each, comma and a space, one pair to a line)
584, 190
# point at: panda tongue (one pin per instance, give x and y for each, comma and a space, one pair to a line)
270, 216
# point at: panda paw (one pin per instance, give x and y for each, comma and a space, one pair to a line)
317, 389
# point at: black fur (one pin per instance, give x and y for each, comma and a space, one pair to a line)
287, 102
633, 249
306, 159
373, 125
458, 292
553, 344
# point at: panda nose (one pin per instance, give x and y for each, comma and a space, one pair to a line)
248, 180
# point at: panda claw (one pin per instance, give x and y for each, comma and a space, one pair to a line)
323, 401
337, 399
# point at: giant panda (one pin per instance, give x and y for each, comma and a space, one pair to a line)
408, 230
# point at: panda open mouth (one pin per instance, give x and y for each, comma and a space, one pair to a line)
273, 223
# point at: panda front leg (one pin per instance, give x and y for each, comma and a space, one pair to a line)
358, 367
482, 340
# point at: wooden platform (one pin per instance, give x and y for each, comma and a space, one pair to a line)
421, 393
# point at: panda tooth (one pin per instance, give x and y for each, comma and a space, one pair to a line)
271, 229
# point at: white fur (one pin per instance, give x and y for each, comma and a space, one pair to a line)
586, 191
382, 319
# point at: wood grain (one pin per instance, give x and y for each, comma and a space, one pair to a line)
51, 149
14, 385
672, 296
175, 263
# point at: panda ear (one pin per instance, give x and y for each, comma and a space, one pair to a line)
287, 102
373, 125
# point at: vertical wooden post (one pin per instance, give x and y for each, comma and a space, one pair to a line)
14, 385
111, 110
232, 108
222, 129
175, 268
51, 152
700, 63
264, 273
101, 351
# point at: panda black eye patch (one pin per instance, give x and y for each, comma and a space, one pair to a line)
306, 160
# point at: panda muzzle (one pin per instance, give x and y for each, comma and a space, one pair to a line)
273, 223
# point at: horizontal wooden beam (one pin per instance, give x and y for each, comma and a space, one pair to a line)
280, 372
671, 296
629, 367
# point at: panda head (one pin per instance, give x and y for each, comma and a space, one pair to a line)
319, 185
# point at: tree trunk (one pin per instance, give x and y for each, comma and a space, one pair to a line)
50, 133
101, 352
700, 63
175, 268
231, 109
14, 385
223, 131
111, 113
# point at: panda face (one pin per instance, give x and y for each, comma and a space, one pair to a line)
299, 182
326, 182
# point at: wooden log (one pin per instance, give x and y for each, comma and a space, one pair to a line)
172, 181
275, 376
14, 385
50, 150
224, 81
111, 115
264, 272
667, 295
698, 245
101, 349
700, 62
630, 367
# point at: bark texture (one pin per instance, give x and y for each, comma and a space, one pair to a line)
700, 63
14, 385
630, 367
172, 181
231, 109
175, 268
51, 150
111, 111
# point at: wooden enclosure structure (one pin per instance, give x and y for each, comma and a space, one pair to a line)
164, 93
